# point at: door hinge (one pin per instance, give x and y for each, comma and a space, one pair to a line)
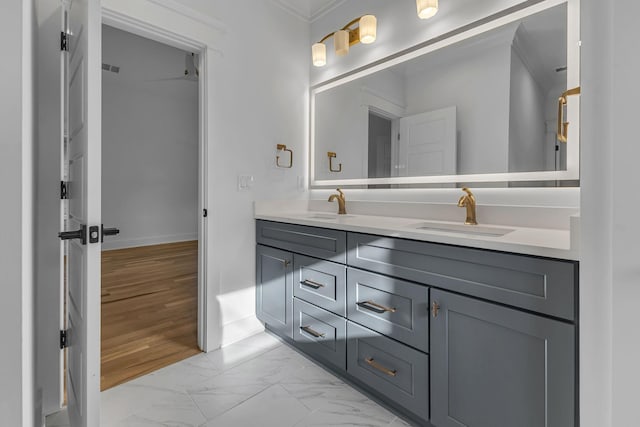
64, 190
64, 342
205, 213
64, 41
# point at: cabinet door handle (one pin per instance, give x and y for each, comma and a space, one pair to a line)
435, 308
312, 284
371, 362
310, 331
376, 308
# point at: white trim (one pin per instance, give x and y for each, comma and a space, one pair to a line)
190, 13
307, 16
573, 151
148, 241
239, 330
145, 29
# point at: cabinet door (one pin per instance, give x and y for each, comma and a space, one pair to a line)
274, 289
494, 366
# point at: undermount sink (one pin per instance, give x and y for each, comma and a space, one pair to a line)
478, 230
326, 216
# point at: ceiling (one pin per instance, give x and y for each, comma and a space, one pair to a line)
309, 10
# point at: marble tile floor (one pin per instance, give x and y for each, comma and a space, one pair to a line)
258, 382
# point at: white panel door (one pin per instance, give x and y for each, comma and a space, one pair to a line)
81, 88
427, 144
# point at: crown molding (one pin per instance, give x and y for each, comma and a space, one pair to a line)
304, 15
190, 13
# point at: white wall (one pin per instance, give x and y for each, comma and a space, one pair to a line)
610, 294
342, 121
477, 84
16, 246
149, 143
526, 147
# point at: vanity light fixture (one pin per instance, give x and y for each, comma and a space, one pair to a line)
364, 33
427, 8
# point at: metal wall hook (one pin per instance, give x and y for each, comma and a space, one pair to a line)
331, 156
282, 147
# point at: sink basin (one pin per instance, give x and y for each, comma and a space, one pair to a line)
326, 216
477, 230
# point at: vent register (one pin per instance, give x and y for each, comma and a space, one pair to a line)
109, 67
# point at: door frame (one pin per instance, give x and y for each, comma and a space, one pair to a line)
144, 29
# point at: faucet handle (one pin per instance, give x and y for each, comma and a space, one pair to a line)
341, 193
467, 190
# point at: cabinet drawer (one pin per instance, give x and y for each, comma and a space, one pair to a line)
320, 333
321, 283
390, 306
391, 369
312, 241
542, 285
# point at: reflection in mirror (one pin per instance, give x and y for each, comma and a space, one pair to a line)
487, 104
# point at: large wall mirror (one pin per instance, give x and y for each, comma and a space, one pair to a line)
479, 106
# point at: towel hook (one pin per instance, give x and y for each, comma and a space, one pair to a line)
282, 147
331, 156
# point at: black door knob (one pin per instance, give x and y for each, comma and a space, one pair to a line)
77, 234
109, 232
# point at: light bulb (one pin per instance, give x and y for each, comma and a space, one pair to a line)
341, 42
319, 54
368, 24
427, 8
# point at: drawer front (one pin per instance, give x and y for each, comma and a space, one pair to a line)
542, 285
320, 333
390, 306
317, 242
393, 370
322, 283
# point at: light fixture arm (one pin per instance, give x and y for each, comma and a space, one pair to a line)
345, 28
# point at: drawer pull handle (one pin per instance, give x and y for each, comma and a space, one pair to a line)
310, 331
435, 308
379, 367
312, 284
376, 308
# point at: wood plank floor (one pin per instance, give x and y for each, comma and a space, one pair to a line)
149, 309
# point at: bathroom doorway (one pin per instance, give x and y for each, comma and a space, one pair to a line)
151, 193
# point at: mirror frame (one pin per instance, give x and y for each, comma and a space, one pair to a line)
573, 106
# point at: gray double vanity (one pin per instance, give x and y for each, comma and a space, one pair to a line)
446, 335
448, 324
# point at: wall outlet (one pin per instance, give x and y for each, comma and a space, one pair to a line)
245, 182
302, 184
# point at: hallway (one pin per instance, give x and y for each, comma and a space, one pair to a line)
149, 309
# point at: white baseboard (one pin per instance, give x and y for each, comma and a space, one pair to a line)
111, 243
240, 329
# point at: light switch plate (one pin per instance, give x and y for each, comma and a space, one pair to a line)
245, 182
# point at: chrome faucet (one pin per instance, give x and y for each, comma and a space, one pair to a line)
342, 209
468, 201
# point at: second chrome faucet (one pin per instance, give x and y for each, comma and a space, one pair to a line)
342, 202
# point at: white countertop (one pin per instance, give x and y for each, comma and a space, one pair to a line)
552, 243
